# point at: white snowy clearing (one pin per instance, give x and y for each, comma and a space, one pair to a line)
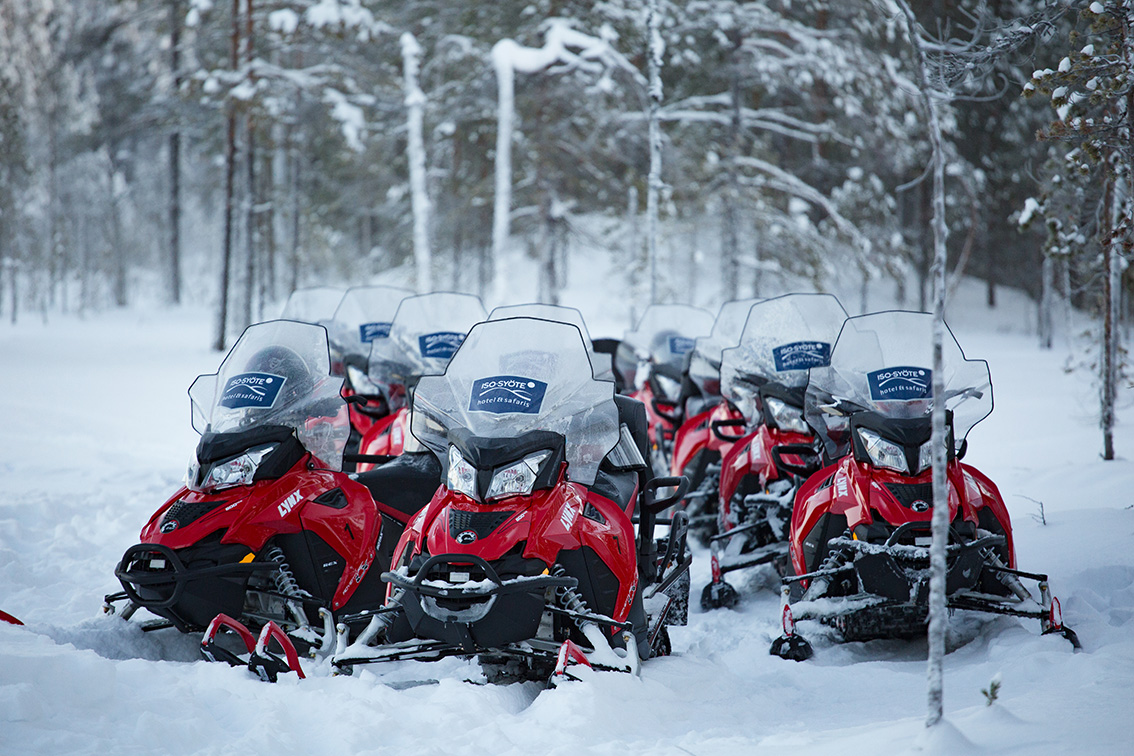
95, 435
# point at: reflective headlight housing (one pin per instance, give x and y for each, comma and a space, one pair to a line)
883, 453
516, 479
462, 475
785, 416
238, 471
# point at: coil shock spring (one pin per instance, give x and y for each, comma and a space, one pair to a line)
834, 560
570, 599
284, 578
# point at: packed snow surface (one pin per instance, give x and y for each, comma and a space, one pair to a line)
95, 436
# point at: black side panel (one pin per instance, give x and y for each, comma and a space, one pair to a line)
598, 584
815, 544
406, 483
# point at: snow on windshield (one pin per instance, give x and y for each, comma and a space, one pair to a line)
518, 375
277, 373
781, 339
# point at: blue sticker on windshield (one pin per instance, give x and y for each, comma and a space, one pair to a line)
368, 332
258, 390
680, 344
801, 355
900, 384
442, 344
502, 394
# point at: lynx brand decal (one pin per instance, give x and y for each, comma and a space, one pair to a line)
257, 390
441, 344
801, 355
680, 344
502, 394
900, 383
368, 332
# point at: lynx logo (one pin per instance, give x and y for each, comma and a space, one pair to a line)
502, 394
841, 487
680, 344
368, 332
258, 390
169, 526
568, 516
289, 503
900, 384
920, 506
441, 344
465, 537
801, 355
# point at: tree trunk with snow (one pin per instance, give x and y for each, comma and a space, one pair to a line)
1046, 319
175, 158
415, 147
654, 187
502, 54
1112, 283
940, 523
229, 182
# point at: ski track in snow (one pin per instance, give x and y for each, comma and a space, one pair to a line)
96, 431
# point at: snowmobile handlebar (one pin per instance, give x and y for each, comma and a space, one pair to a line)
716, 426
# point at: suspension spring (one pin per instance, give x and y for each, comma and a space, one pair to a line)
570, 599
833, 561
284, 578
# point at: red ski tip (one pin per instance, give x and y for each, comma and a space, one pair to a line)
5, 617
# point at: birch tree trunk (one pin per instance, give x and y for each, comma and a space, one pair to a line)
415, 146
1112, 283
505, 114
654, 187
940, 522
229, 176
175, 158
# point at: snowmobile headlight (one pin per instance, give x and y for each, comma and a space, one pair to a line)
785, 416
883, 453
670, 388
924, 457
238, 471
360, 382
516, 479
462, 475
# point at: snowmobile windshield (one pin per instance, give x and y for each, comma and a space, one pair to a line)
602, 363
781, 340
883, 363
277, 373
518, 375
313, 305
364, 315
663, 337
705, 359
424, 335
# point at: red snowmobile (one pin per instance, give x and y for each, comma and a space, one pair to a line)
860, 529
764, 376
712, 423
651, 360
267, 533
363, 315
527, 557
424, 334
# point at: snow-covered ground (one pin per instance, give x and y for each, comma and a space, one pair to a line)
95, 433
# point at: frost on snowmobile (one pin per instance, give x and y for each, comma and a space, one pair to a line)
423, 336
651, 359
710, 423
267, 531
764, 378
860, 528
528, 557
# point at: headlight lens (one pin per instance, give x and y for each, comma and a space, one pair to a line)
462, 475
237, 471
883, 453
925, 456
785, 416
516, 479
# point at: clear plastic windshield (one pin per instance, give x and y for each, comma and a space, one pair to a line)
312, 305
663, 336
705, 360
518, 375
426, 332
781, 340
364, 314
277, 373
883, 363
602, 363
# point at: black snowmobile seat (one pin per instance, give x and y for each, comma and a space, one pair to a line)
406, 483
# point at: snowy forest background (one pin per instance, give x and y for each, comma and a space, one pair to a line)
177, 149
